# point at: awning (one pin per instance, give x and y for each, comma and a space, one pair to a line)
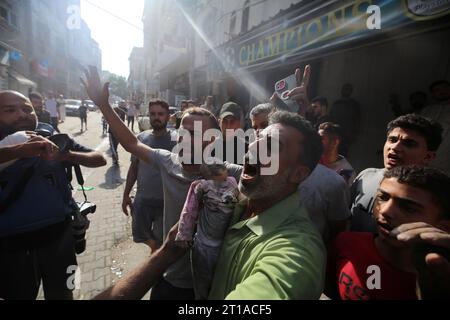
22, 79
7, 46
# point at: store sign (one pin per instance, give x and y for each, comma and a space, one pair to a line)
321, 29
15, 55
427, 9
42, 69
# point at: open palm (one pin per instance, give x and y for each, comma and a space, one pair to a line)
97, 92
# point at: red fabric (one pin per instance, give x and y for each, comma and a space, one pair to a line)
349, 257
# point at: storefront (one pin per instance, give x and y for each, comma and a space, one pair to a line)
174, 80
341, 41
11, 60
18, 82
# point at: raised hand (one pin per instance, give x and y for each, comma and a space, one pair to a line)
97, 92
300, 93
422, 232
431, 251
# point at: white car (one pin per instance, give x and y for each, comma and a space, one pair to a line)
72, 107
144, 121
91, 105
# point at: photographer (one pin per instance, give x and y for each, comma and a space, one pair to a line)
36, 239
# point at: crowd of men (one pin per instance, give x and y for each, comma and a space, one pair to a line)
314, 227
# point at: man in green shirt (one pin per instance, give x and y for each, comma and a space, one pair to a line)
273, 250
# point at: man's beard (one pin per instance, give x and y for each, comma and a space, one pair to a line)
265, 186
158, 126
6, 130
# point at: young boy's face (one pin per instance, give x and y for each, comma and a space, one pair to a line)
406, 147
399, 203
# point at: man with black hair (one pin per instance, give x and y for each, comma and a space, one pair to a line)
412, 212
272, 249
417, 101
38, 104
148, 206
332, 138
231, 121
259, 116
411, 140
440, 112
319, 112
179, 115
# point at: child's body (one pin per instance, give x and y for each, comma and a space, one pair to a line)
209, 206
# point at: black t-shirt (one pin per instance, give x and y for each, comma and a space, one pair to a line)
44, 116
83, 111
122, 115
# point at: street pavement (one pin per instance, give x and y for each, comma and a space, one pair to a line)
110, 252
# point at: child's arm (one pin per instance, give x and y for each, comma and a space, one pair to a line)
189, 215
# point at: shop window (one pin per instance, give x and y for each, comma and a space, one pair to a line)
4, 13
14, 21
233, 23
245, 16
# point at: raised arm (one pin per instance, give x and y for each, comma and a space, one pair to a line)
100, 95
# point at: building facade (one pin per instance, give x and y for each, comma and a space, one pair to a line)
44, 45
167, 50
241, 48
136, 80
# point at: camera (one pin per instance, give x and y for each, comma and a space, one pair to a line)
80, 223
63, 141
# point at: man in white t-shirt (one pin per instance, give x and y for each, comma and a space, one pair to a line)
51, 105
331, 139
62, 108
131, 114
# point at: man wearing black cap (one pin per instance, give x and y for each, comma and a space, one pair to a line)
231, 119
